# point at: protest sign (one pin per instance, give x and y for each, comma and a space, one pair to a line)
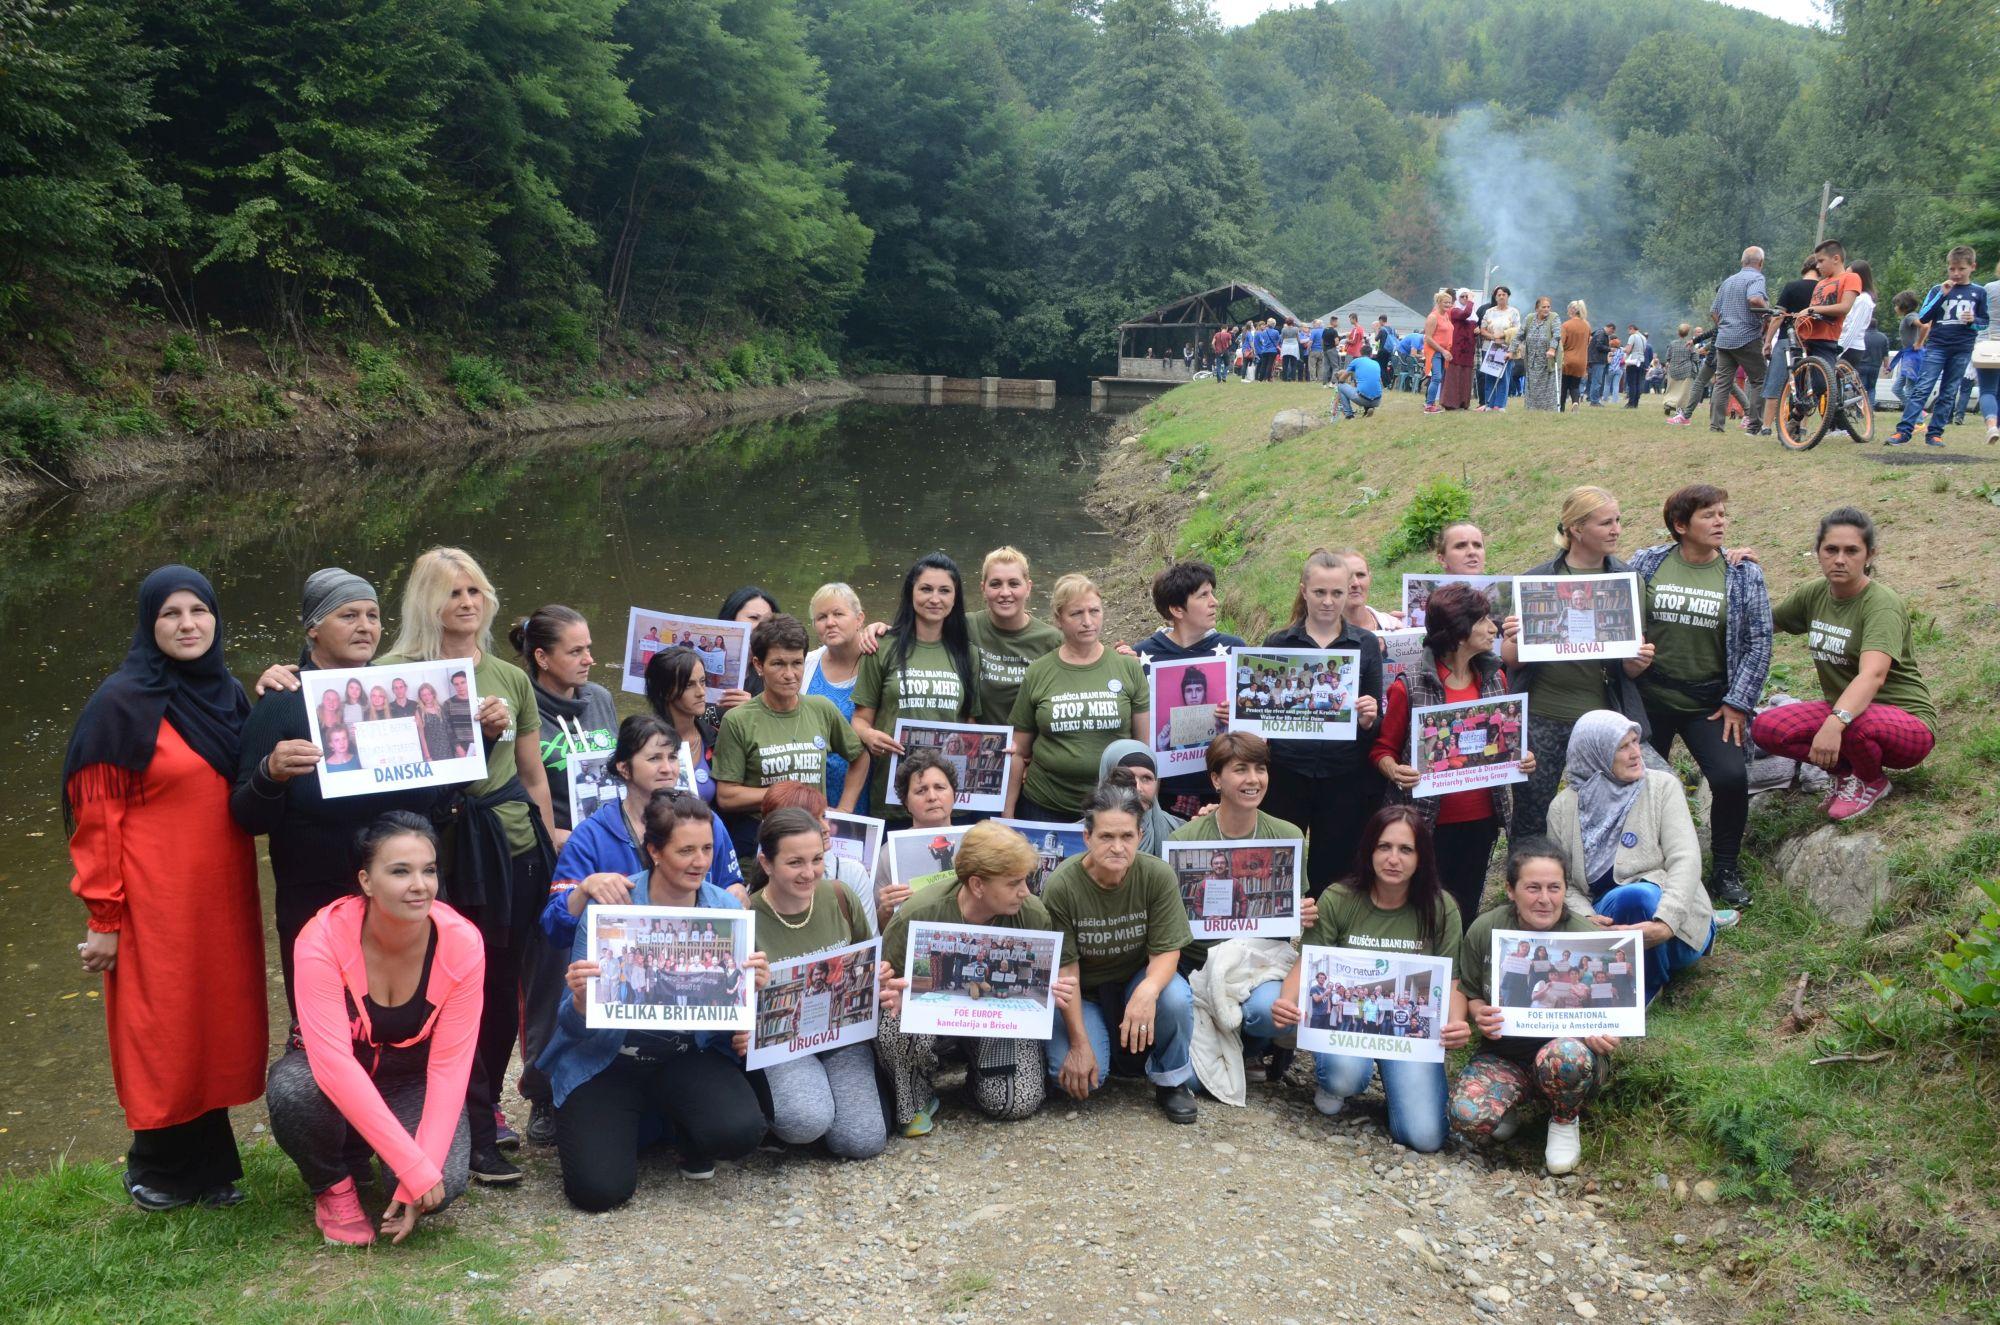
1368, 1004
978, 980
852, 850
669, 968
915, 852
1183, 694
1462, 747
1551, 984
1401, 650
1295, 694
1240, 888
1566, 618
722, 646
396, 726
1417, 590
1053, 844
977, 754
816, 1003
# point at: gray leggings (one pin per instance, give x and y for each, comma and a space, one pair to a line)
1008, 1078
831, 1095
308, 1128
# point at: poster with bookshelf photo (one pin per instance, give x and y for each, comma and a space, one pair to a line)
977, 754
1566, 618
816, 1003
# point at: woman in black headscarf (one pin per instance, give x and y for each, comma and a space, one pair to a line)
171, 885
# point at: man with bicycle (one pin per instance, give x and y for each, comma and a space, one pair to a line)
1739, 304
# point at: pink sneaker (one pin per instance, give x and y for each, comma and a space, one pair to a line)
1433, 409
1677, 421
1855, 797
337, 1211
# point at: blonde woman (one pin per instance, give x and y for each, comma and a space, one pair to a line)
1437, 348
1072, 704
502, 853
838, 621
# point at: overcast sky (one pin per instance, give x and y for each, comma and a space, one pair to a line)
1237, 12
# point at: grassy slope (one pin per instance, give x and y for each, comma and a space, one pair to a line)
1869, 1186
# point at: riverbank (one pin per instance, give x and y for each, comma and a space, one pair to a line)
98, 403
1860, 1138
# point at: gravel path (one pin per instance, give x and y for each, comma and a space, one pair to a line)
1103, 1212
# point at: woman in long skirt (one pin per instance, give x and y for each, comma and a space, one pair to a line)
1541, 353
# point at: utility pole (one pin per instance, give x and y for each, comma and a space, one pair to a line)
1825, 197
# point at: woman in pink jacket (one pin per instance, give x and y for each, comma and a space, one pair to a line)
388, 1001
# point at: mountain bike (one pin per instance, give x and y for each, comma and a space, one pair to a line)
1817, 397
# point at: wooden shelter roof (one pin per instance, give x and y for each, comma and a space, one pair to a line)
1210, 308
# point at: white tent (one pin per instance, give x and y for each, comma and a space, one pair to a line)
1373, 305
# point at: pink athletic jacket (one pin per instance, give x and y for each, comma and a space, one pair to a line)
332, 979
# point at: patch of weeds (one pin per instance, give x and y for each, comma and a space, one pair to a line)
182, 355
382, 377
39, 424
482, 384
1983, 746
1185, 467
1210, 536
1438, 504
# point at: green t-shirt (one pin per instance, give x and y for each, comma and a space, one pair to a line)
934, 898
1477, 978
835, 920
1688, 628
497, 676
1208, 828
1565, 691
1073, 713
926, 688
1117, 930
1838, 633
1348, 919
758, 746
1000, 661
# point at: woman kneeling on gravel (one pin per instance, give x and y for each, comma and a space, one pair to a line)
1487, 1100
617, 1090
1123, 929
988, 886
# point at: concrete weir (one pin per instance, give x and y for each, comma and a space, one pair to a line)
991, 392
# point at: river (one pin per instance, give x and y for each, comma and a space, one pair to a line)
601, 521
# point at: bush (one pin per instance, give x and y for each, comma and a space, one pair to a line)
1968, 976
570, 333
1438, 504
1210, 536
38, 424
381, 376
482, 384
182, 354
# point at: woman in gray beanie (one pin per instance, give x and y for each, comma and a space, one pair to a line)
276, 793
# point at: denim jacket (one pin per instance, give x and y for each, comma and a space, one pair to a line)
576, 1052
1746, 647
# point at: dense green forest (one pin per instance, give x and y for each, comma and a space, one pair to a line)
948, 185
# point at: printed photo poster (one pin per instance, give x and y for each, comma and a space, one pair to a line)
1184, 693
722, 646
1053, 844
978, 754
1417, 590
1462, 747
592, 784
980, 980
915, 852
390, 727
1368, 1004
817, 1003
1401, 650
1239, 889
1570, 984
858, 838
669, 968
1295, 694
1569, 617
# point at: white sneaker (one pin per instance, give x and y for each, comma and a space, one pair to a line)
1565, 1148
1327, 1103
1510, 1123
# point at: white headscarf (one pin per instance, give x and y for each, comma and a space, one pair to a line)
1602, 801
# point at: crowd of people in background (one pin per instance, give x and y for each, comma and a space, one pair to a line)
428, 933
1480, 354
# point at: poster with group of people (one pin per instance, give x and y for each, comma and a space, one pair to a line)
1239, 889
1465, 746
1368, 1004
816, 1003
1417, 591
398, 725
669, 968
1295, 694
1570, 984
592, 784
980, 980
977, 754
722, 646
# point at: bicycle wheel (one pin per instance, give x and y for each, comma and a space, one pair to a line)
1857, 412
1804, 410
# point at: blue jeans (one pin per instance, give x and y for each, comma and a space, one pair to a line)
1632, 903
1349, 397
1415, 1092
1989, 392
1595, 389
1437, 380
1944, 365
1493, 391
1168, 1064
1258, 1028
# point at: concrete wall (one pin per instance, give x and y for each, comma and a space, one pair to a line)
919, 389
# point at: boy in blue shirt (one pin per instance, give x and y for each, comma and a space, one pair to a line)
1949, 319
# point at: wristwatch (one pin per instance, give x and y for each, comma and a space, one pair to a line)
1846, 718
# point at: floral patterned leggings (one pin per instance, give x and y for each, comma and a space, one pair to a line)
1565, 1073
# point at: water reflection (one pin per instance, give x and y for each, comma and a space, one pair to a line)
599, 521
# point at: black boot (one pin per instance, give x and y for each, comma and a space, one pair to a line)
1725, 885
1177, 1102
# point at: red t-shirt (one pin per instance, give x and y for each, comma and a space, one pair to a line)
1392, 738
1828, 292
1219, 343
